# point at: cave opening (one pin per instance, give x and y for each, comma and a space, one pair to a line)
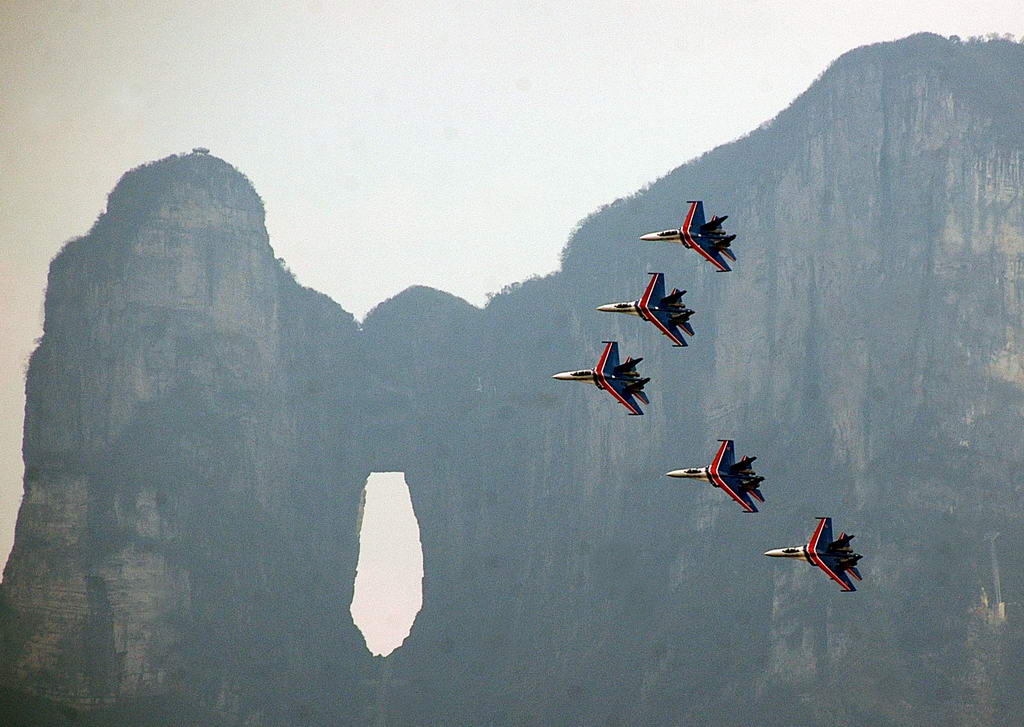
388, 589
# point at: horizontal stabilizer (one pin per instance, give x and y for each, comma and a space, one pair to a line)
637, 386
724, 242
852, 570
715, 223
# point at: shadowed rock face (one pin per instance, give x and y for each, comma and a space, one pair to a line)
199, 428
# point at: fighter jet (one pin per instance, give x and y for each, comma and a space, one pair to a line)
665, 311
835, 557
707, 238
620, 380
737, 478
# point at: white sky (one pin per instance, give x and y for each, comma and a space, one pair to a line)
388, 589
451, 144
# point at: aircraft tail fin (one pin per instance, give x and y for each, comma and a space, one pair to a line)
628, 365
673, 297
714, 224
852, 570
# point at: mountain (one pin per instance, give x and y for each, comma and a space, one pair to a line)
199, 428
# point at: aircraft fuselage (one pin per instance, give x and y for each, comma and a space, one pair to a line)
634, 308
687, 240
591, 376
585, 375
693, 473
846, 558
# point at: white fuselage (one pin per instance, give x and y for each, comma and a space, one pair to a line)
630, 308
666, 236
796, 551
585, 375
693, 473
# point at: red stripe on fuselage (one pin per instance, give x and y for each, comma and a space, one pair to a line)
685, 232
718, 479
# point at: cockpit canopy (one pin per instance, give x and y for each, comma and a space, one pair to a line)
587, 372
668, 233
791, 550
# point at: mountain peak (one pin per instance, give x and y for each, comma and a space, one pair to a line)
196, 178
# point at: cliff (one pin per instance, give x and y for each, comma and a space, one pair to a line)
199, 428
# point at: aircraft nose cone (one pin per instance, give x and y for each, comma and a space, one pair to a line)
777, 553
564, 376
651, 236
676, 473
610, 308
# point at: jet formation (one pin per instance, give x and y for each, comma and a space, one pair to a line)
667, 313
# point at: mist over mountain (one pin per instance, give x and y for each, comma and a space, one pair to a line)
199, 428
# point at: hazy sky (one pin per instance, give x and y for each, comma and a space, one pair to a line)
388, 587
453, 144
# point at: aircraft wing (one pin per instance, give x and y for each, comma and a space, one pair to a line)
691, 233
713, 255
731, 486
817, 551
694, 216
618, 389
725, 457
655, 289
662, 320
840, 576
609, 359
723, 460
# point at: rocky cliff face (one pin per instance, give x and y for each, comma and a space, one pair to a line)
167, 440
195, 448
